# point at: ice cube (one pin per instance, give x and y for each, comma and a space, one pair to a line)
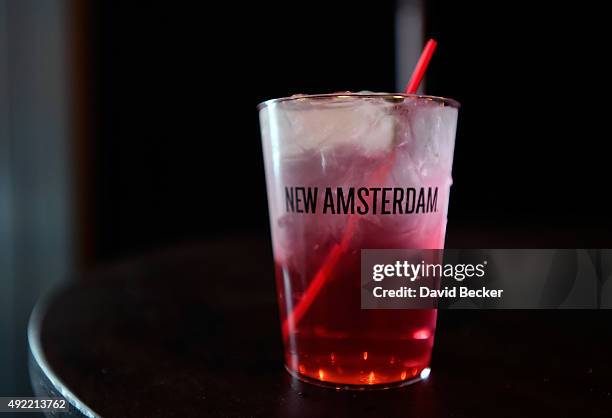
426, 133
327, 123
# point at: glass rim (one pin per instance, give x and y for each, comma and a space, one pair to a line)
445, 101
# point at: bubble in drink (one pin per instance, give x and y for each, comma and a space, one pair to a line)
348, 172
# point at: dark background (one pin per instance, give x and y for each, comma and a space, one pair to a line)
177, 147
178, 153
129, 127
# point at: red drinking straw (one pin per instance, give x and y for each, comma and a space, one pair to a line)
421, 67
330, 263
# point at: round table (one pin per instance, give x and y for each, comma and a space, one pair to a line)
195, 332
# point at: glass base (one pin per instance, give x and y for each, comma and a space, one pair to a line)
341, 386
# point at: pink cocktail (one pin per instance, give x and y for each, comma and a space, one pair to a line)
347, 172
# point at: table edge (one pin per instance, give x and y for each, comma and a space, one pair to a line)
37, 353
